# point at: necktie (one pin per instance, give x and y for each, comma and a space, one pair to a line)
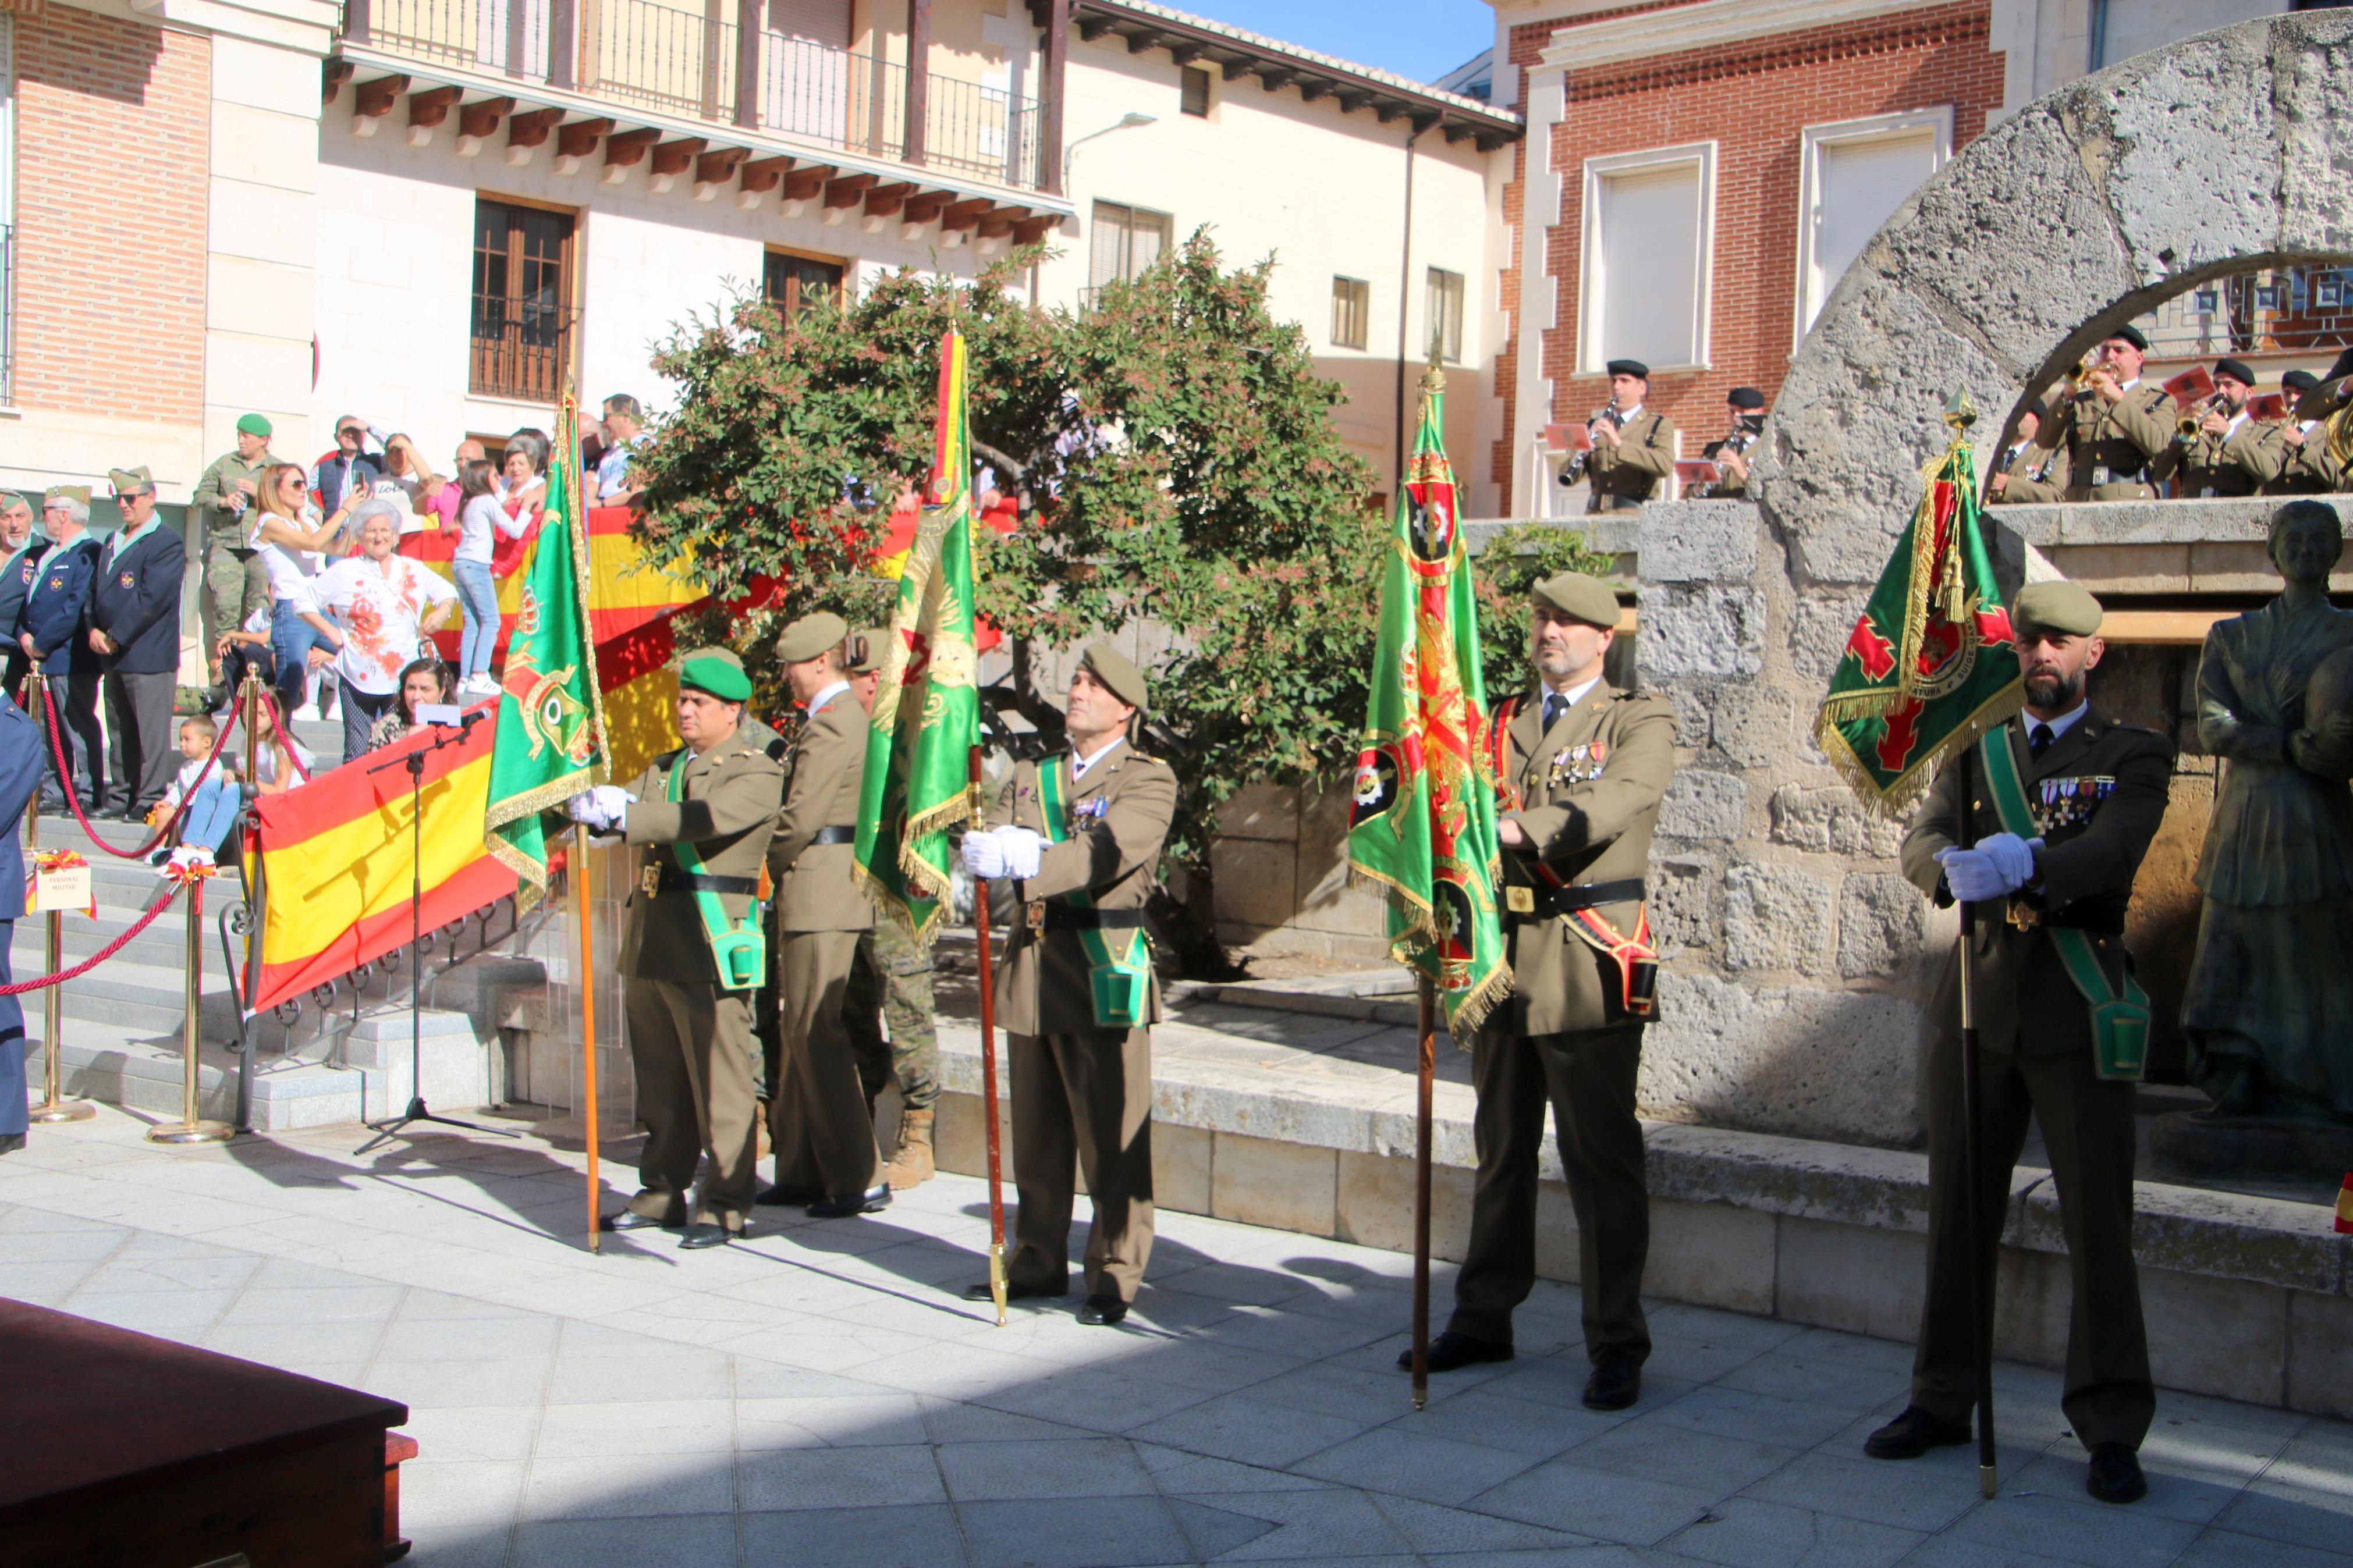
1555, 706
2038, 739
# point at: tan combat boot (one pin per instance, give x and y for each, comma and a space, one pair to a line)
910, 1166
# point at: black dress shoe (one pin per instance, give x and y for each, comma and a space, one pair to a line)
2116, 1474
1449, 1351
1913, 1434
11, 1141
1102, 1312
1616, 1382
981, 1292
699, 1237
630, 1219
873, 1200
790, 1197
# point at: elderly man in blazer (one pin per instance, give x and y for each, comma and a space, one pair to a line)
135, 627
1080, 834
1585, 767
692, 955
48, 631
819, 1122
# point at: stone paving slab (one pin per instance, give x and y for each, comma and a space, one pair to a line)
822, 1395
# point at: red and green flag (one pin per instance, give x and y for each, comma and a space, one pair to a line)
926, 715
1422, 824
1932, 664
550, 741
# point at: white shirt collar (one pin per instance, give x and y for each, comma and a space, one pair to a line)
2127, 386
1079, 764
2061, 724
816, 703
1626, 416
1575, 694
2236, 420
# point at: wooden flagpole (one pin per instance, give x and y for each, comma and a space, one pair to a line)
1425, 1074
989, 1072
581, 918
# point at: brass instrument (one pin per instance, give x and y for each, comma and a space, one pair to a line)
1574, 469
2081, 372
1746, 429
2185, 428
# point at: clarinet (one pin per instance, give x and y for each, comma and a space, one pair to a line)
1574, 469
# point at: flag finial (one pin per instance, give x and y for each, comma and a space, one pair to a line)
1960, 413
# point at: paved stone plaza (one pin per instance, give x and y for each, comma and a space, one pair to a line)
821, 1396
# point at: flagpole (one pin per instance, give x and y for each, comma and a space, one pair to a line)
1425, 1074
989, 1072
580, 918
1973, 1159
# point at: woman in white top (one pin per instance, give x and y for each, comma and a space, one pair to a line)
480, 519
286, 528
385, 604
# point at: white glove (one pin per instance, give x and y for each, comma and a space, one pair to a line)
603, 807
2012, 856
1970, 873
1022, 848
982, 856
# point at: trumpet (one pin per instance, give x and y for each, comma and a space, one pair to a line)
2185, 428
2081, 372
1574, 469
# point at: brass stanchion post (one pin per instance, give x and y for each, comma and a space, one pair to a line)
190, 1128
52, 1108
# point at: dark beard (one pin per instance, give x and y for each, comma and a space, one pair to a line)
2053, 693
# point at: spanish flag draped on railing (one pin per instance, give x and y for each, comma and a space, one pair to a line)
550, 742
926, 714
1422, 826
1931, 664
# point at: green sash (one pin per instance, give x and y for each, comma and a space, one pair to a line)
740, 948
1119, 983
2119, 1022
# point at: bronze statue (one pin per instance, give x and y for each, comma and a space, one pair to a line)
2269, 1008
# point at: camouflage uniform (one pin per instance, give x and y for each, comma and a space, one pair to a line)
892, 986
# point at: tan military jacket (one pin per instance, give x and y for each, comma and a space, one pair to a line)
2030, 471
2095, 832
2231, 464
1113, 855
1627, 474
728, 810
2116, 451
815, 887
2307, 470
1589, 788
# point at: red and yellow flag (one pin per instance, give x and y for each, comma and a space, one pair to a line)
2345, 1206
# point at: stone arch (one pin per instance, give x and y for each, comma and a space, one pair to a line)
2219, 153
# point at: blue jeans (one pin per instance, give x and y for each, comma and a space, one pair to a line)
212, 811
292, 638
478, 596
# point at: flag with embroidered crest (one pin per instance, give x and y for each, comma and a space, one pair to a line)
1931, 664
1422, 816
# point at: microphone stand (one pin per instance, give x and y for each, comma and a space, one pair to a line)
395, 1127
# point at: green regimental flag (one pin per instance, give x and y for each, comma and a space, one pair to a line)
926, 715
550, 743
1932, 663
1422, 826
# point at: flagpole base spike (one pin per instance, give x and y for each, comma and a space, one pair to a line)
996, 1278
1421, 1399
597, 1242
1985, 1483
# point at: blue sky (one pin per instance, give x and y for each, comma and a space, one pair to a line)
1419, 38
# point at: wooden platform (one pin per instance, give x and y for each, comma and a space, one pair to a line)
127, 1450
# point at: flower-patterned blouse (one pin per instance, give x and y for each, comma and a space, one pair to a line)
379, 605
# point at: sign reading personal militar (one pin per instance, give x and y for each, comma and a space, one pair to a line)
1931, 664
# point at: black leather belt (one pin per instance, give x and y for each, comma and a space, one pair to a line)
1065, 917
837, 834
1593, 895
674, 880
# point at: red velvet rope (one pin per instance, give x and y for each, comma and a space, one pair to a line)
64, 781
195, 911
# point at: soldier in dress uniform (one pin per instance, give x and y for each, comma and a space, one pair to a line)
892, 987
2308, 466
2022, 473
2049, 930
1746, 405
1633, 448
2231, 455
1583, 767
1080, 834
822, 1126
691, 953
2114, 436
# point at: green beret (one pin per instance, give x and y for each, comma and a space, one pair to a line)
1580, 598
252, 425
716, 670
65, 492
130, 481
811, 636
866, 649
2056, 606
1119, 675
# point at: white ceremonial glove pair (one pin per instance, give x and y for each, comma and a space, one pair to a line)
1996, 868
1003, 852
603, 807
